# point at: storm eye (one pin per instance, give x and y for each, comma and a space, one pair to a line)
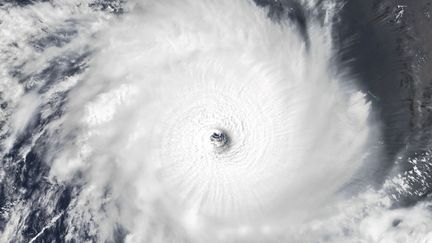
219, 139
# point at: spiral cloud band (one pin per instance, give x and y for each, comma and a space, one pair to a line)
196, 121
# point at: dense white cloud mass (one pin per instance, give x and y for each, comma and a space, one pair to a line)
199, 121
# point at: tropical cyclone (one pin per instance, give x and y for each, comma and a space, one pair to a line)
241, 123
190, 121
